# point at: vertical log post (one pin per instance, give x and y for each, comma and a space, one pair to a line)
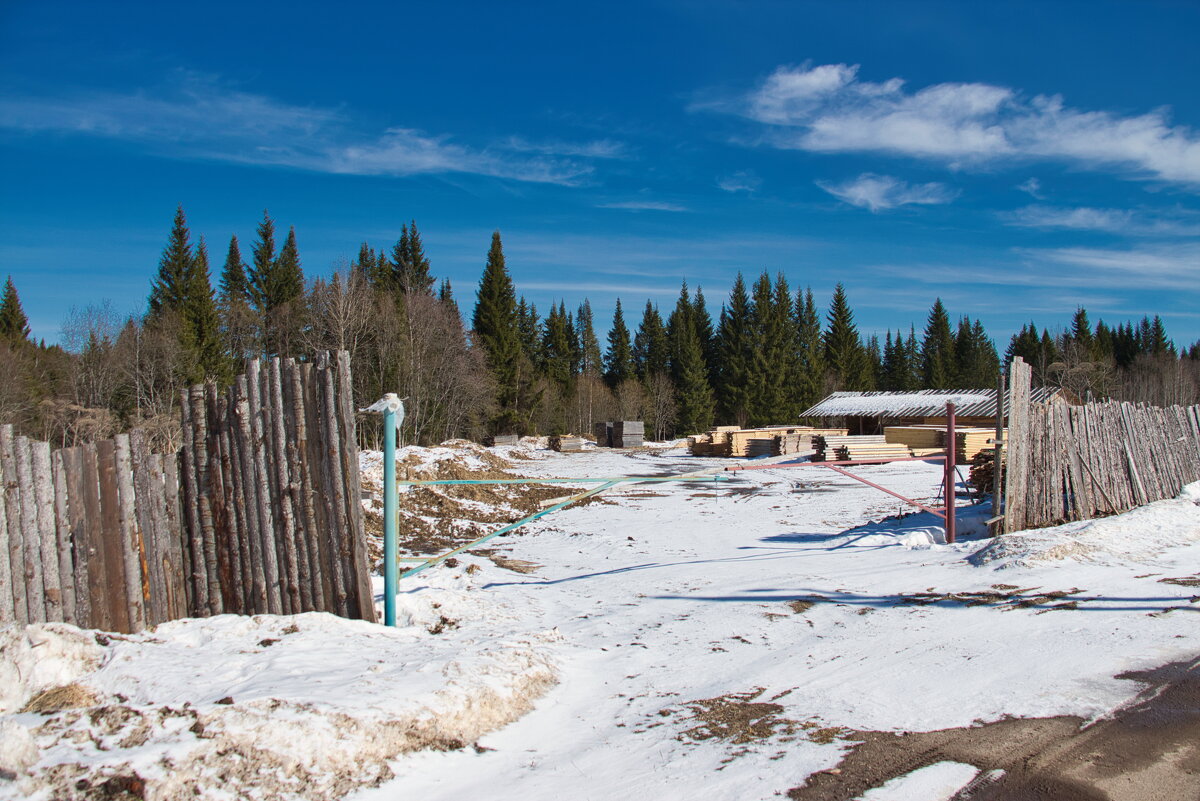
951, 470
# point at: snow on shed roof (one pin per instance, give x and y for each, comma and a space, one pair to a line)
924, 403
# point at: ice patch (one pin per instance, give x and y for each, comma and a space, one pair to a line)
937, 782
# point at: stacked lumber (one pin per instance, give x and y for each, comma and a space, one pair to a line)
854, 448
930, 440
627, 434
727, 441
970, 442
568, 443
501, 439
603, 434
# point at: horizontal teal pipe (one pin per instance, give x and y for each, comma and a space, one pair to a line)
433, 560
615, 479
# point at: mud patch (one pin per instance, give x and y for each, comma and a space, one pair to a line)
1002, 596
1182, 581
1146, 751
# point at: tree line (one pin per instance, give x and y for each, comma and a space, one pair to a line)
769, 354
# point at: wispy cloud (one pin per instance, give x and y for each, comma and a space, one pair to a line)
740, 181
1117, 221
597, 149
879, 192
1033, 188
827, 108
198, 117
642, 205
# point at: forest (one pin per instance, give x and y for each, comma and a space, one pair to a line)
767, 356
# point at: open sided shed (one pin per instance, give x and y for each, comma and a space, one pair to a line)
869, 412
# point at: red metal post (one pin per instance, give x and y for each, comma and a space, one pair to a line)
951, 451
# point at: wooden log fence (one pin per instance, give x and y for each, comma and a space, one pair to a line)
258, 513
1069, 463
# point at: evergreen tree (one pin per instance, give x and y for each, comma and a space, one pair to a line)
557, 358
1103, 342
937, 350
496, 333
590, 360
618, 359
201, 316
735, 356
233, 274
259, 277
874, 360
529, 327
410, 266
844, 353
976, 363
773, 338
289, 285
1081, 335
651, 345
168, 290
14, 325
810, 383
694, 395
1158, 343
446, 296
705, 334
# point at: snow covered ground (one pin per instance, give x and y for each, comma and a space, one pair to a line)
717, 640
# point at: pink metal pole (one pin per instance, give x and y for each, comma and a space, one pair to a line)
951, 451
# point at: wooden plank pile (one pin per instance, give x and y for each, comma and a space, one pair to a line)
732, 441
602, 433
628, 433
501, 439
930, 440
852, 448
568, 443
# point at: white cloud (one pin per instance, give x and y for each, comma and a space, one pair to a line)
740, 181
642, 205
1033, 188
1118, 221
878, 192
197, 117
829, 109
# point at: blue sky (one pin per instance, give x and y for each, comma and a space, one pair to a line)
1015, 159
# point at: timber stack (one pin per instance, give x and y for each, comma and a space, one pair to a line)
732, 441
930, 440
568, 443
855, 448
628, 434
501, 439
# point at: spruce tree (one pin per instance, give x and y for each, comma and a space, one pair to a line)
773, 343
410, 265
168, 289
843, 349
735, 356
1158, 343
651, 345
937, 350
259, 276
1081, 336
557, 358
618, 359
14, 325
289, 275
496, 332
446, 296
810, 383
233, 274
705, 333
201, 315
590, 360
529, 331
693, 393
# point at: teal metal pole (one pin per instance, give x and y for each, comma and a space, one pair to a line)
389, 518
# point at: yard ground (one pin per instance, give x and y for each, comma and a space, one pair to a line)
784, 634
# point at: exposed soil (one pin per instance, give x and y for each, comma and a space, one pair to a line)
1004, 596
1146, 751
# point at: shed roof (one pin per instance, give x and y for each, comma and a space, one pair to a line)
923, 403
